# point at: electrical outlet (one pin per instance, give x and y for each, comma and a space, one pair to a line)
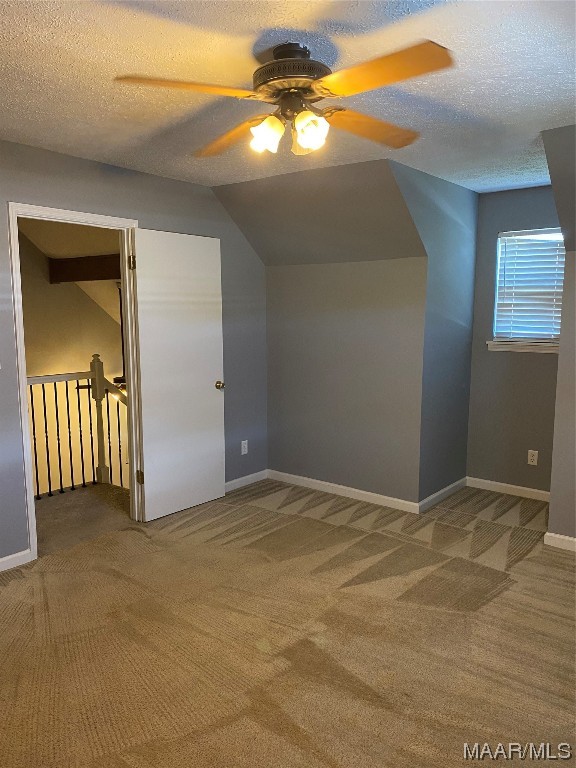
243, 447
533, 458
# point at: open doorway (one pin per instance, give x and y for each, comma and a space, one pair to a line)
76, 379
173, 354
76, 359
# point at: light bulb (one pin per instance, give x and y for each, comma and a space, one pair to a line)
267, 134
311, 130
297, 149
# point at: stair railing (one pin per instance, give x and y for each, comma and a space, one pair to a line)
76, 439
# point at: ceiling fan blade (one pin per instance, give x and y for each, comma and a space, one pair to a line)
370, 127
392, 68
184, 85
231, 137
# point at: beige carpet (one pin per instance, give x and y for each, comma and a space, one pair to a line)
283, 627
68, 518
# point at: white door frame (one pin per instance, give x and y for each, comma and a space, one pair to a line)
126, 226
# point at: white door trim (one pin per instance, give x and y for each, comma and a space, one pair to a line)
16, 560
69, 217
132, 366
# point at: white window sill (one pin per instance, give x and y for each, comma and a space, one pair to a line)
501, 345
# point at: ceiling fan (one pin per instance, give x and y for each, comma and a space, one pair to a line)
295, 83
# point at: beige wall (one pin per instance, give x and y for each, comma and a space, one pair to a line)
63, 327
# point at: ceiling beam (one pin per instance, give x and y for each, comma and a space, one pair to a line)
76, 270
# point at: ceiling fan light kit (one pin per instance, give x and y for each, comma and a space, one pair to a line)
311, 130
267, 134
294, 83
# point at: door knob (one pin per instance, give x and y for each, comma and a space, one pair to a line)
219, 385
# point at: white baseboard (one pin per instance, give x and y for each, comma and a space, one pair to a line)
551, 539
514, 490
436, 498
16, 560
389, 501
560, 542
240, 482
343, 490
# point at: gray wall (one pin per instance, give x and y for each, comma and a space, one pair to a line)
445, 216
563, 487
345, 213
512, 393
45, 178
560, 145
345, 348
346, 300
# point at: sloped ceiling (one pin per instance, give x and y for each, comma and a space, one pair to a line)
480, 122
349, 213
59, 240
105, 294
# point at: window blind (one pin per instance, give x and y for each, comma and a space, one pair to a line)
529, 279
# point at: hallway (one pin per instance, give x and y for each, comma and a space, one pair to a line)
66, 519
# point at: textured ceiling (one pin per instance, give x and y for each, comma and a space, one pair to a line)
480, 122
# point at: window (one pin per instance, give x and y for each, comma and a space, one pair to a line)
529, 276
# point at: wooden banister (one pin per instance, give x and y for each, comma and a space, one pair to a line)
116, 392
52, 378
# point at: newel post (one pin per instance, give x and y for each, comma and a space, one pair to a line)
98, 393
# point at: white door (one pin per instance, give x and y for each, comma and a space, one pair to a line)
179, 311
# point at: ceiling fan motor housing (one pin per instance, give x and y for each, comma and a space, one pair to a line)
292, 68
